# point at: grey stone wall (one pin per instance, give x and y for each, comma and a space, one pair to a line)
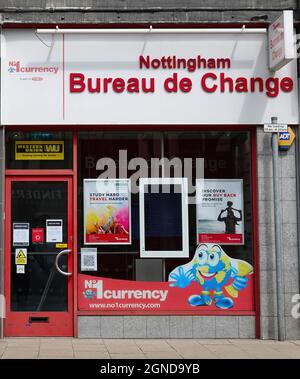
1, 215
266, 237
166, 327
143, 11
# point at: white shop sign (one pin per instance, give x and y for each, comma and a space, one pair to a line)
143, 79
282, 47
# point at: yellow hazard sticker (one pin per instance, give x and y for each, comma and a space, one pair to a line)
21, 256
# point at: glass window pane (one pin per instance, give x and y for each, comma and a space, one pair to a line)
226, 154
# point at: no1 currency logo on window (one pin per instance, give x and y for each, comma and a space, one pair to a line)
39, 150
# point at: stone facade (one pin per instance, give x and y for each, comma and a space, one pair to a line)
143, 11
266, 236
1, 212
166, 327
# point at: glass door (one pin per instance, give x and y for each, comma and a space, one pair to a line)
39, 256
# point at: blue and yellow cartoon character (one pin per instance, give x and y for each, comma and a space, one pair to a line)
213, 270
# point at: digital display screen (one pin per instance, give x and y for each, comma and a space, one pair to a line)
163, 217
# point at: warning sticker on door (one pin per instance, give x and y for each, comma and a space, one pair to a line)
21, 256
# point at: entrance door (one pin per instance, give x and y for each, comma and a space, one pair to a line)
39, 256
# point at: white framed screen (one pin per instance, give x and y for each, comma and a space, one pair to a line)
164, 218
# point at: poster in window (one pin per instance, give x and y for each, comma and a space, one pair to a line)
220, 215
107, 213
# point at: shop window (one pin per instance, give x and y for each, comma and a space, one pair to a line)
39, 150
226, 154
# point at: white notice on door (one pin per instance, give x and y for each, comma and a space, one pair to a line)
20, 269
20, 234
54, 231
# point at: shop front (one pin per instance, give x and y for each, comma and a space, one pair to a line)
131, 180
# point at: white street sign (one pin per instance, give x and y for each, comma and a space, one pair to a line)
275, 128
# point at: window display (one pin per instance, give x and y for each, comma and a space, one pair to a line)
160, 225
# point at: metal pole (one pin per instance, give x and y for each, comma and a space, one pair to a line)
162, 149
278, 238
150, 30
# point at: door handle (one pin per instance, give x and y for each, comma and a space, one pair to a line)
56, 262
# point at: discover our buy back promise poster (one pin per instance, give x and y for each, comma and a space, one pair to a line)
220, 211
107, 211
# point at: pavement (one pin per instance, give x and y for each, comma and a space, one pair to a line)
70, 348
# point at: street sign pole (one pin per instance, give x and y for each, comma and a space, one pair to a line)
278, 238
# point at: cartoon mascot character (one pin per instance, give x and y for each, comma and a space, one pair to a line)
214, 271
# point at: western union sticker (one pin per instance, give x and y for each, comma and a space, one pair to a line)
39, 150
21, 256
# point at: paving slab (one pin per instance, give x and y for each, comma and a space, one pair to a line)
65, 354
155, 346
163, 355
296, 342
225, 350
92, 355
52, 357
89, 341
121, 346
213, 341
193, 345
90, 348
128, 356
69, 348
24, 355
190, 355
